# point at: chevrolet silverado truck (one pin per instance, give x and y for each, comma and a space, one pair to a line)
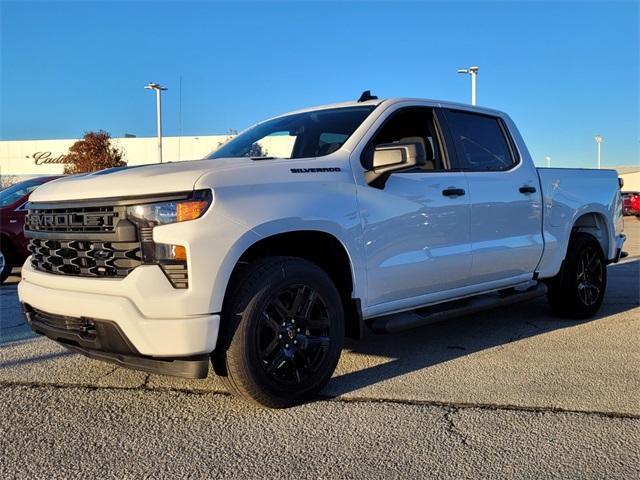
308, 228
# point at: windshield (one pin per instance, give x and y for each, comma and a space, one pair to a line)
300, 135
12, 194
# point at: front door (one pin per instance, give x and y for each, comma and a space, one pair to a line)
416, 228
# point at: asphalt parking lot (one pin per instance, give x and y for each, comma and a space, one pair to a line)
513, 393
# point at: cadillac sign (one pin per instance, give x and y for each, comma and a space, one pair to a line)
44, 158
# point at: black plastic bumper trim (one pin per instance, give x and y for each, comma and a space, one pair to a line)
104, 340
187, 367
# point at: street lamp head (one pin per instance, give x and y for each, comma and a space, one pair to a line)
471, 70
154, 86
598, 138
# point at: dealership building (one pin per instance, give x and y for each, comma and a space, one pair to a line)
24, 158
21, 159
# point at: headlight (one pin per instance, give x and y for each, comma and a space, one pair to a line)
172, 259
152, 214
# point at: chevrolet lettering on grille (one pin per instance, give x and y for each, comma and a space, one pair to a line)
70, 221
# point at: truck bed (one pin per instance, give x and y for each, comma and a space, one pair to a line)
568, 193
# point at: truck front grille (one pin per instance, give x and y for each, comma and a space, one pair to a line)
97, 239
74, 220
85, 258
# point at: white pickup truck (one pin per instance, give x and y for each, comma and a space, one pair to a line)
307, 228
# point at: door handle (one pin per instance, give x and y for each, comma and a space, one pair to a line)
527, 189
453, 192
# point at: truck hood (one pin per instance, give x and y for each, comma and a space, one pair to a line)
133, 181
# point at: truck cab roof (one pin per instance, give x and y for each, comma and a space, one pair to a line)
395, 100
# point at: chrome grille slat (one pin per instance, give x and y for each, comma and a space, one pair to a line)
85, 258
177, 275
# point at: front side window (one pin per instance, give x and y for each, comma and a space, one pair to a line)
480, 142
301, 135
409, 125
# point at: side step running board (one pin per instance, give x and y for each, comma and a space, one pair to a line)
398, 322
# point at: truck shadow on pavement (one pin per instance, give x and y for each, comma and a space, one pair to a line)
41, 358
377, 359
437, 343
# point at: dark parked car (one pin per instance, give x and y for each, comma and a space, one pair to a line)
13, 245
628, 203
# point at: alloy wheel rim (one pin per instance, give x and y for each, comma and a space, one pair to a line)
2, 262
293, 335
589, 277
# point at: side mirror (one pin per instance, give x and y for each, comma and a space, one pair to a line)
394, 157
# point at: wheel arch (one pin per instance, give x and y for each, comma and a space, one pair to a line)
595, 224
596, 219
318, 246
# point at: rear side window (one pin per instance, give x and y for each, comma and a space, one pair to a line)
480, 142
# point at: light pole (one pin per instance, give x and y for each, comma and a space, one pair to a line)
598, 139
548, 159
158, 88
473, 71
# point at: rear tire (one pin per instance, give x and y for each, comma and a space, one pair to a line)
6, 263
578, 290
282, 332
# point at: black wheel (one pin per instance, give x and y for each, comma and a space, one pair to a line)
6, 263
282, 333
578, 289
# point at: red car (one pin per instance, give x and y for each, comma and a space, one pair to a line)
631, 203
634, 203
13, 245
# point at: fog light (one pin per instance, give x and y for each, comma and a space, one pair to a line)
172, 259
165, 251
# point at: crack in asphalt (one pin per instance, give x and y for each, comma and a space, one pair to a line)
452, 428
485, 406
88, 386
537, 329
451, 407
108, 373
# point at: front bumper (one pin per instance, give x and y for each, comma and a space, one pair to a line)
154, 325
104, 340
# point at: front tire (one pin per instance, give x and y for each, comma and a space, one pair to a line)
282, 332
578, 290
6, 264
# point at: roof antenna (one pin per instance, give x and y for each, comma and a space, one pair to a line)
366, 95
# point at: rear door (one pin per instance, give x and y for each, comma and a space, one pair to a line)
504, 194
